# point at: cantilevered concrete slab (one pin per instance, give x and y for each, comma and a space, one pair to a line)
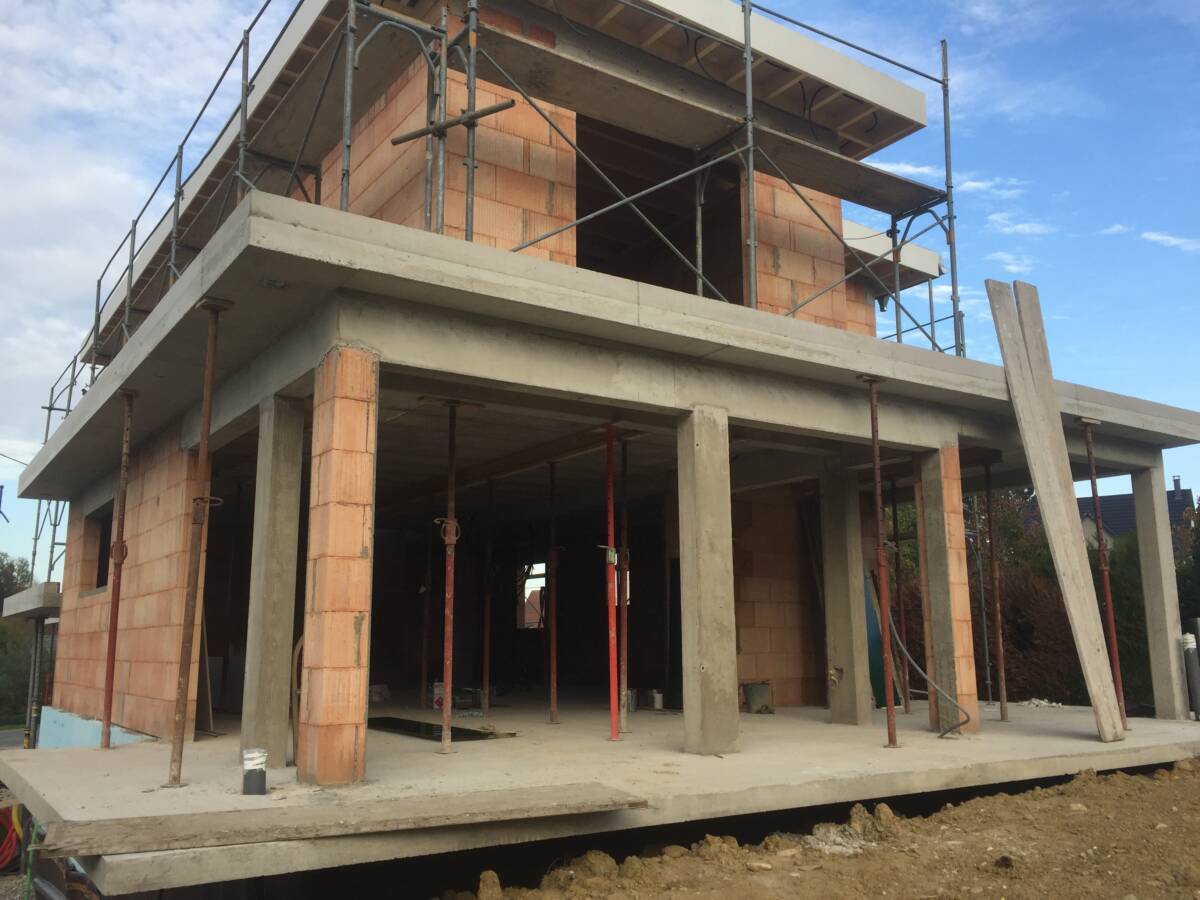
39, 601
917, 264
790, 760
318, 276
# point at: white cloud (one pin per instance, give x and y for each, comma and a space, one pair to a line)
1013, 263
1187, 245
1001, 188
909, 170
1115, 228
1005, 223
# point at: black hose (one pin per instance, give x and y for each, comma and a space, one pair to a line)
966, 720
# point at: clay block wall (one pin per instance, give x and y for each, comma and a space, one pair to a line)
780, 628
798, 256
161, 486
524, 180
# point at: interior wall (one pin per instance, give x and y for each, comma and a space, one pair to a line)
780, 619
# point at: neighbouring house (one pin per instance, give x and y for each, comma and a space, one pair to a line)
1119, 517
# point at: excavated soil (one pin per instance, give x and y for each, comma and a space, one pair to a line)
1118, 835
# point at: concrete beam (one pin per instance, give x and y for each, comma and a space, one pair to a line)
266, 699
710, 688
1160, 594
848, 666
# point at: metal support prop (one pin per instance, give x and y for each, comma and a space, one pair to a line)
430, 118
983, 609
885, 599
701, 178
997, 616
610, 554
552, 588
450, 539
117, 554
472, 23
347, 102
485, 696
623, 689
906, 693
960, 341
1110, 618
200, 504
751, 206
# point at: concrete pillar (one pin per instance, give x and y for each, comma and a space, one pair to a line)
848, 665
265, 701
1160, 594
945, 586
337, 607
710, 689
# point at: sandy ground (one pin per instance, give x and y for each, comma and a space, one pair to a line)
10, 887
1119, 835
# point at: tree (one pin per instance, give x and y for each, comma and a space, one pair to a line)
15, 644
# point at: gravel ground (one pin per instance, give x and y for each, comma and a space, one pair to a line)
10, 887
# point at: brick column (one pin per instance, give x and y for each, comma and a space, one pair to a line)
945, 590
337, 605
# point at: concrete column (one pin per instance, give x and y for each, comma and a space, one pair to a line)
265, 701
710, 690
1160, 593
848, 665
337, 607
947, 592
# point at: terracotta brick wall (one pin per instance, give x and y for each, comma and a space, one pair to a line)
798, 256
780, 628
161, 486
524, 180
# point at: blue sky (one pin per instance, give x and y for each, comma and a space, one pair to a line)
1076, 141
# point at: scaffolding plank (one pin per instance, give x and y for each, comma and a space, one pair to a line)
1026, 357
605, 79
301, 822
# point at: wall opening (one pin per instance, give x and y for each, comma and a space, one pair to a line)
620, 243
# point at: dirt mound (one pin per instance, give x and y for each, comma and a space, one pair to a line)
1096, 836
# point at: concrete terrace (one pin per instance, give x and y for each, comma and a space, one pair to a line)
789, 760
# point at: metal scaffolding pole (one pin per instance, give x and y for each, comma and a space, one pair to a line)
348, 101
200, 504
117, 555
472, 23
960, 341
450, 534
751, 206
881, 567
894, 234
1110, 617
439, 209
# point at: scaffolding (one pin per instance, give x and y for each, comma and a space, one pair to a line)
275, 158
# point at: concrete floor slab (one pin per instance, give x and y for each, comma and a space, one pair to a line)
793, 759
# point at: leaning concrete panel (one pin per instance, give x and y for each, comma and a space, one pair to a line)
1027, 365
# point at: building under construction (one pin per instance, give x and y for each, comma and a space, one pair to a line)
497, 417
